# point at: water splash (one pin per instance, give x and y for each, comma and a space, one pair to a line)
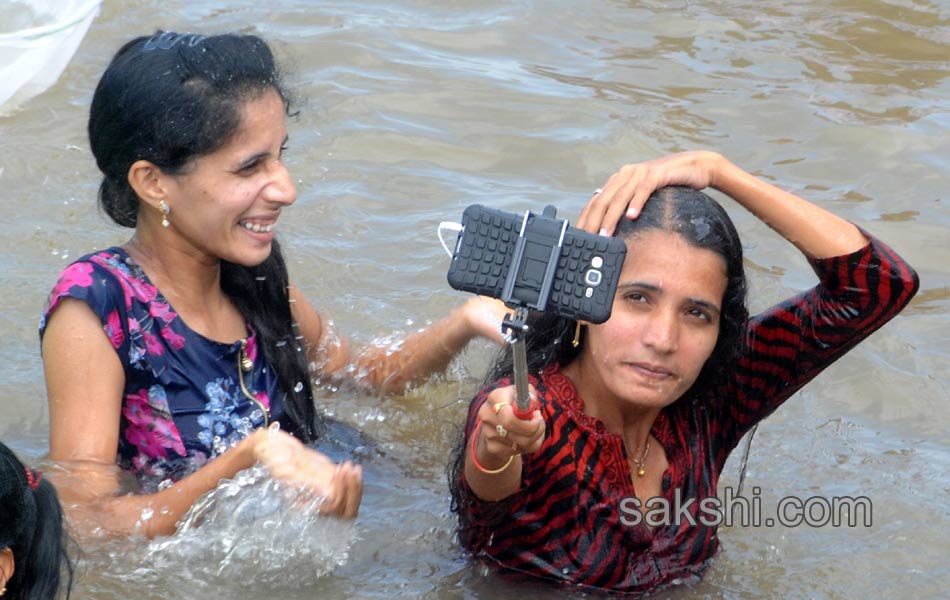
251, 532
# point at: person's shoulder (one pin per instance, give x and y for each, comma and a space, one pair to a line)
107, 260
111, 268
95, 278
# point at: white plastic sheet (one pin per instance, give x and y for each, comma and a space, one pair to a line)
37, 40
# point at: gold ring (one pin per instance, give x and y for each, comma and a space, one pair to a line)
501, 430
497, 407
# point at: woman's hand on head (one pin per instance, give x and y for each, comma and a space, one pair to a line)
628, 189
291, 462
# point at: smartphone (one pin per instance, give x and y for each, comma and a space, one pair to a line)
537, 261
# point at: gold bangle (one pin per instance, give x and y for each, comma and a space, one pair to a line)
478, 465
493, 471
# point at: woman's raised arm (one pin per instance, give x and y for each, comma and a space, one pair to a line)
815, 231
392, 367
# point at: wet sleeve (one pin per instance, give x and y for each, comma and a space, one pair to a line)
792, 342
101, 291
477, 517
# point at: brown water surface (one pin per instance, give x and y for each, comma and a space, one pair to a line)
414, 109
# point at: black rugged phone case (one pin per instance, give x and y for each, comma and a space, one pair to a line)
484, 251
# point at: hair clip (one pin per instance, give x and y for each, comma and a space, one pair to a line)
33, 478
169, 39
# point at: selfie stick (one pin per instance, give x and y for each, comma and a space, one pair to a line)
544, 265
516, 328
528, 284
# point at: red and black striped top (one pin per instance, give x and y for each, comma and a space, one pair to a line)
566, 522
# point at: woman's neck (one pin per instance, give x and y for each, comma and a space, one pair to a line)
623, 417
182, 268
189, 281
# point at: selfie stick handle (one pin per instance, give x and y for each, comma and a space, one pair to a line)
515, 324
523, 400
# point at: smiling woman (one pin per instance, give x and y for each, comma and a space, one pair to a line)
644, 409
227, 203
177, 353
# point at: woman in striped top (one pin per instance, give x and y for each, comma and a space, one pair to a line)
648, 405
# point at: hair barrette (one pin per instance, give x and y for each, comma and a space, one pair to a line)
33, 478
169, 39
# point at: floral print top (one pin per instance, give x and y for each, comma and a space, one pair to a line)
182, 404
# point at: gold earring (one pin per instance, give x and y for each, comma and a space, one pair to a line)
164, 209
577, 336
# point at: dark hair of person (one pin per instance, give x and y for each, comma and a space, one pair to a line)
31, 525
703, 223
172, 98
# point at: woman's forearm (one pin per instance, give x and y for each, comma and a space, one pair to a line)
815, 231
393, 367
146, 514
501, 480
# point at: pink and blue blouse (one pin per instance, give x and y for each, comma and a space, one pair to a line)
182, 403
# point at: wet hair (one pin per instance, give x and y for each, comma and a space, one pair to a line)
170, 99
702, 223
31, 525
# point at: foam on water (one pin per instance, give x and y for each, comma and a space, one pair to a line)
250, 532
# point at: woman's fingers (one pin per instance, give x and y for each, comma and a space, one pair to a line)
585, 217
344, 492
334, 497
498, 398
623, 194
504, 432
353, 490
625, 197
291, 462
592, 215
627, 190
514, 444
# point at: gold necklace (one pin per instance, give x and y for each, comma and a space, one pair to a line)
639, 463
245, 365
